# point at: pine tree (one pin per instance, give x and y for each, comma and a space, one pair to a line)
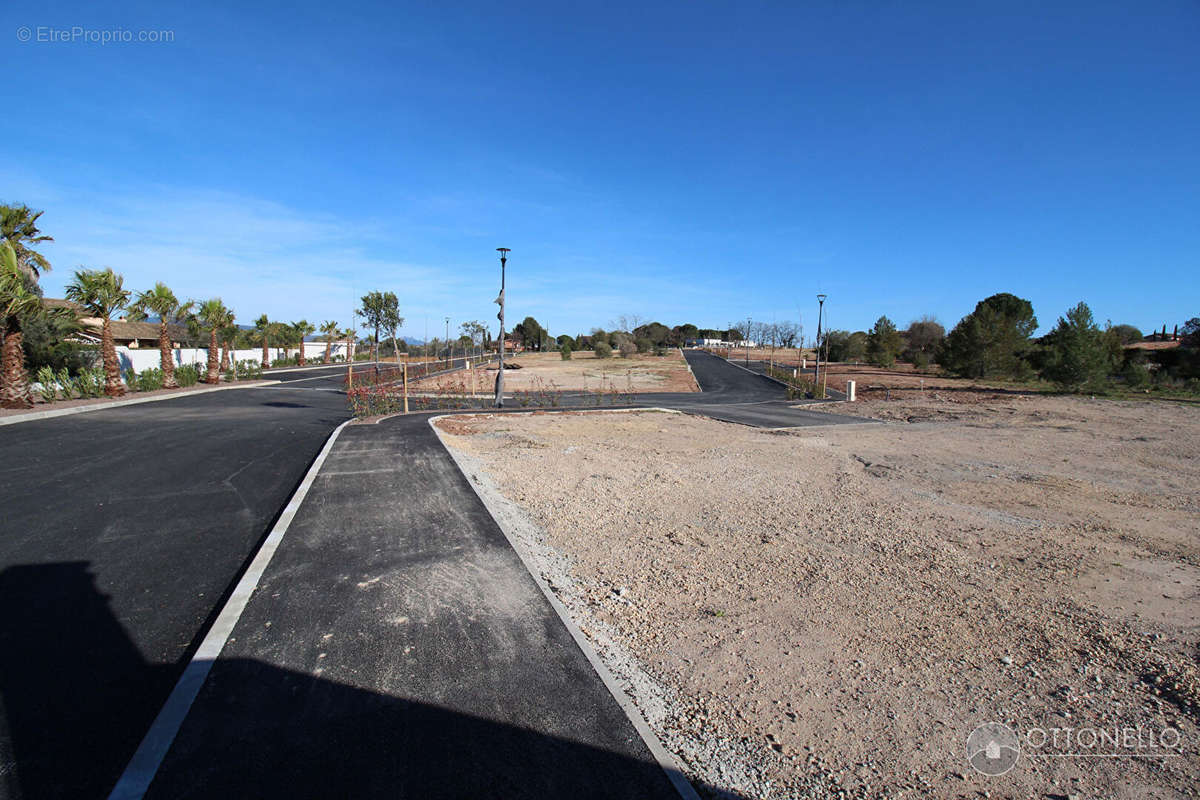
1077, 356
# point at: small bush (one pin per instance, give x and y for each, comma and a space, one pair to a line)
187, 375
627, 348
48, 384
644, 345
565, 352
90, 382
1135, 374
660, 350
244, 370
66, 384
603, 350
130, 379
147, 380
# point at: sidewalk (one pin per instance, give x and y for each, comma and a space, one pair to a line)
396, 646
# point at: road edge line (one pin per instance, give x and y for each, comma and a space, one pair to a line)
699, 388
666, 761
34, 416
139, 773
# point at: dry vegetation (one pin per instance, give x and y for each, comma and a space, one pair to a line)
836, 609
638, 374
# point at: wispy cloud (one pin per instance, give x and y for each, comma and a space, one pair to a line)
259, 256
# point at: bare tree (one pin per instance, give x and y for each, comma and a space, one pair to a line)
627, 322
788, 332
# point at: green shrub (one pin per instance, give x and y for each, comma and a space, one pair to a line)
603, 350
47, 384
659, 350
66, 384
626, 347
90, 382
130, 379
643, 344
249, 370
565, 352
149, 380
187, 375
245, 370
1136, 374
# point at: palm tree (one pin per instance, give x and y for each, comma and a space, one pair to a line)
212, 317
163, 303
228, 337
330, 329
18, 227
302, 329
102, 293
351, 337
262, 327
17, 300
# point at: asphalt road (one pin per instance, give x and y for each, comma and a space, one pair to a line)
120, 533
396, 646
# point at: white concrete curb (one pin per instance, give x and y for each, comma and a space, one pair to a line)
699, 388
664, 758
140, 772
62, 412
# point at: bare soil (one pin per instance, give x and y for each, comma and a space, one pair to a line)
640, 373
830, 612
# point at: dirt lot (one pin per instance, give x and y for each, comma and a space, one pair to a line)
905, 380
585, 372
836, 609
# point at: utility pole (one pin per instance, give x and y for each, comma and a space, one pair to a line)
450, 351
504, 251
817, 369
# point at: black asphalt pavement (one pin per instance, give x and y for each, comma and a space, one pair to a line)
121, 531
397, 647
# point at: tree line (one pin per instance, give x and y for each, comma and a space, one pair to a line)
997, 341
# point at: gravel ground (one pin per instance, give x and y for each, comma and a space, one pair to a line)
585, 372
830, 612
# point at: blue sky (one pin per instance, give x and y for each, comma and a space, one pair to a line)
687, 162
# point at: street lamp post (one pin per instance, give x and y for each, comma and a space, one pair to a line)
817, 369
503, 251
746, 343
449, 349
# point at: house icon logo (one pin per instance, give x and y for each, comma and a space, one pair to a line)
993, 748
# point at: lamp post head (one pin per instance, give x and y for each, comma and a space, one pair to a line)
503, 251
821, 298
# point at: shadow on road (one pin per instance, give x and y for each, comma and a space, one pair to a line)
73, 709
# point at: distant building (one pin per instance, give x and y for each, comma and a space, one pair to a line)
125, 333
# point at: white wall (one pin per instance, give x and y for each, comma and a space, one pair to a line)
143, 358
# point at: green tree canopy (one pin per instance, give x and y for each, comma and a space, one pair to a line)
1077, 356
993, 340
884, 343
18, 227
531, 333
